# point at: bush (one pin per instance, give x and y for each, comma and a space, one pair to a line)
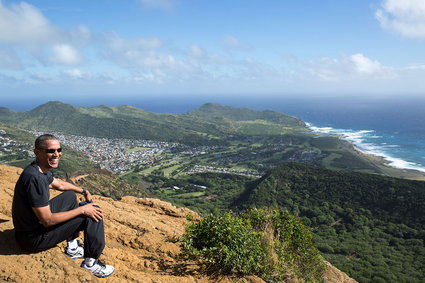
294, 254
271, 244
226, 244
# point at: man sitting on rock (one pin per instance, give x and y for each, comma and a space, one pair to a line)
41, 223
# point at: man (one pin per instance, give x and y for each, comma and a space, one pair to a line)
41, 223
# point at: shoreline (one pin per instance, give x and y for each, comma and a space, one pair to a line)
389, 170
382, 161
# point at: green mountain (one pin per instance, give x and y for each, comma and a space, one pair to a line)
20, 144
103, 121
198, 127
370, 226
217, 111
248, 138
7, 115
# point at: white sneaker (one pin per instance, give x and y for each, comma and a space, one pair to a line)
78, 252
99, 269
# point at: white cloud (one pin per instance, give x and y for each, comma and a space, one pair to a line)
65, 54
146, 59
74, 73
117, 43
9, 60
30, 37
349, 67
24, 24
39, 77
80, 35
415, 67
9, 80
197, 51
232, 43
406, 17
364, 65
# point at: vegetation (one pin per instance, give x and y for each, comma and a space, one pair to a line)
111, 185
272, 244
131, 122
259, 140
370, 226
202, 192
21, 145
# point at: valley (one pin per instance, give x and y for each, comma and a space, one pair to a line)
225, 158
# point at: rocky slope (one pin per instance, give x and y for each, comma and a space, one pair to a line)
142, 243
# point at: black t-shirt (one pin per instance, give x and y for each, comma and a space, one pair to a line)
31, 190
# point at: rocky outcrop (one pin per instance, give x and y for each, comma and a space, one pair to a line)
142, 243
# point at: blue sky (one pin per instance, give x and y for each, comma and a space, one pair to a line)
99, 50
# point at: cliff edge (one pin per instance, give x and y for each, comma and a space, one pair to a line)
142, 243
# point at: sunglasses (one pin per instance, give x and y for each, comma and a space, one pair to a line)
52, 150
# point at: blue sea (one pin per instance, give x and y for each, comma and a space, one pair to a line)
392, 128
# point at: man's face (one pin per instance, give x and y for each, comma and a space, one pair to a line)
48, 160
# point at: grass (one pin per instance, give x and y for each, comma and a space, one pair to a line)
327, 161
169, 170
149, 170
191, 195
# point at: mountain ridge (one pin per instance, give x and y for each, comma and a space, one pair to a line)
141, 236
130, 122
365, 224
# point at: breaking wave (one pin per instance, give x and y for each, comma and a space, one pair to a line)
367, 142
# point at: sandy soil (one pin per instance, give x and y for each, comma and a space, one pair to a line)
141, 239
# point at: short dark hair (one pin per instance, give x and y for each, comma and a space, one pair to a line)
40, 141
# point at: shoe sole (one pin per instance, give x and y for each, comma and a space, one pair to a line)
75, 257
98, 276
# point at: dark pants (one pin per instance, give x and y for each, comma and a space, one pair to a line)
46, 238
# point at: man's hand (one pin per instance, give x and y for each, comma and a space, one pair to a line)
93, 211
88, 196
47, 218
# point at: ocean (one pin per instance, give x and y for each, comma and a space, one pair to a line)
392, 128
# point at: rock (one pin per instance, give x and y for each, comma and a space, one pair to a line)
141, 242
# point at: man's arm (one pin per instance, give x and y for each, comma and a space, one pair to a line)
60, 185
47, 218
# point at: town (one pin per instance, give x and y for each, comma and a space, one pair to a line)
122, 155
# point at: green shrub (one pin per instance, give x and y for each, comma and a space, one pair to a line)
293, 250
271, 244
225, 243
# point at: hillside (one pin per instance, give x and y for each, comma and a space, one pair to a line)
198, 127
16, 149
370, 226
142, 243
222, 136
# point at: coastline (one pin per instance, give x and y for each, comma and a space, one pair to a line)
389, 166
389, 170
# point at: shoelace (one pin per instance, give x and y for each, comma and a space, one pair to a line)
100, 265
